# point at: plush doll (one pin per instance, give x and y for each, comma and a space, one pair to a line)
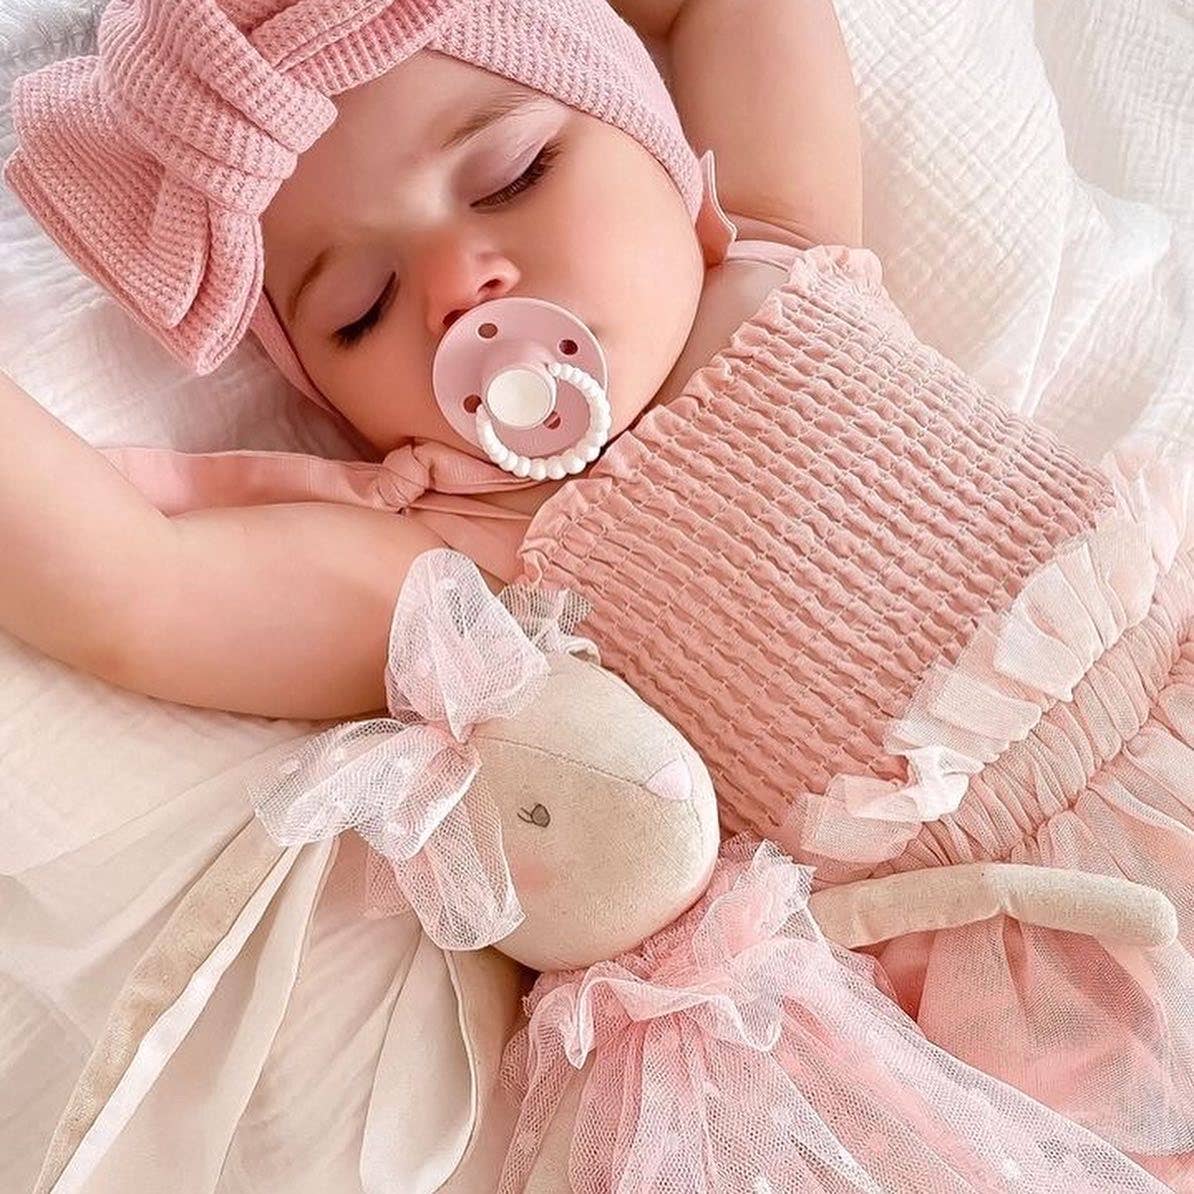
697, 1025
694, 1028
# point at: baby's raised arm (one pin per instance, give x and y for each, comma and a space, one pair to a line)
76, 540
766, 84
277, 610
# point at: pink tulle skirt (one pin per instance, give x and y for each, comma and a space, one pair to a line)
1104, 783
738, 1051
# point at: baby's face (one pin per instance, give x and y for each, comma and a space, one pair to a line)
545, 203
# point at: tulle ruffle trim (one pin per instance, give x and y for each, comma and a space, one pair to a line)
1019, 661
738, 1050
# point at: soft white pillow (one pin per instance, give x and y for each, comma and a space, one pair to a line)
1029, 186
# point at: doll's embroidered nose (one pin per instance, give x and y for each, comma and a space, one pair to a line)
537, 816
673, 781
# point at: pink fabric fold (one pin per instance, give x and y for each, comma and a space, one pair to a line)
179, 481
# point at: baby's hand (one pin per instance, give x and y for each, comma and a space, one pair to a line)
766, 85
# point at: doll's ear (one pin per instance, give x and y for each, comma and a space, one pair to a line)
1109, 908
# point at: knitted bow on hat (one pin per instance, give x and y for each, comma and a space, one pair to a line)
151, 162
457, 657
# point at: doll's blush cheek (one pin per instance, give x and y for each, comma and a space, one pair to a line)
530, 874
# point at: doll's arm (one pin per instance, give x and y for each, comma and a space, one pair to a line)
1103, 906
767, 85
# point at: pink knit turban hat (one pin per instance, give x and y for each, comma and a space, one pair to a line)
150, 163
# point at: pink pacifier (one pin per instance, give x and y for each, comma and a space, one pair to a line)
497, 375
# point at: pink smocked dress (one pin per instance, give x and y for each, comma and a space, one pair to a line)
906, 628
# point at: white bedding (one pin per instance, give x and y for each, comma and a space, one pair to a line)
1029, 187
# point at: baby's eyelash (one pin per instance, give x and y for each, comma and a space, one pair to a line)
346, 337
531, 175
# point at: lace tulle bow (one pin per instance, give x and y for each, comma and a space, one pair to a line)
458, 656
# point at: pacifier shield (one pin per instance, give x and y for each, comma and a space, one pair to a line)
520, 336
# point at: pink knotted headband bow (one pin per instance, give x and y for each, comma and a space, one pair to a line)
151, 162
408, 784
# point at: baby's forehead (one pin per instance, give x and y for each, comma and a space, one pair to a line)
384, 133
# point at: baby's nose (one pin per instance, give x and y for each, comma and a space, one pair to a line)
457, 287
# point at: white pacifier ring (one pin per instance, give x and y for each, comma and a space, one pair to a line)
562, 464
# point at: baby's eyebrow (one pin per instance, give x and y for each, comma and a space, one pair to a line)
502, 105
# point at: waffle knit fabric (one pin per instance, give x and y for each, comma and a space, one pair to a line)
150, 163
904, 628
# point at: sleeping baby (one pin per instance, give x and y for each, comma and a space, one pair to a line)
604, 336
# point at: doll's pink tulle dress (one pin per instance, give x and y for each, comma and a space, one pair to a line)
906, 628
738, 1051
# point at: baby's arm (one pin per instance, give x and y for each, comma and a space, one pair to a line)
277, 610
281, 610
766, 84
76, 539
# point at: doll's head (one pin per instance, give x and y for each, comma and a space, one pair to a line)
611, 831
204, 159
519, 795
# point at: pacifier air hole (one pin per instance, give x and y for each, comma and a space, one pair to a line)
472, 403
487, 331
568, 347
553, 422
